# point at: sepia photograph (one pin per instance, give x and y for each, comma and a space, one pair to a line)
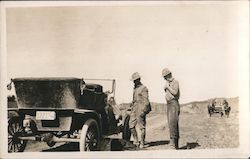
144, 79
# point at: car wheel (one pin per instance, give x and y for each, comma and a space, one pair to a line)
126, 133
15, 130
90, 136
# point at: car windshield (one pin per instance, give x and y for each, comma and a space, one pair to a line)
107, 84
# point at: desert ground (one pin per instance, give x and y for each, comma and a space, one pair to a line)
197, 130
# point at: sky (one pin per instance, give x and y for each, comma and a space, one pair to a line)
197, 42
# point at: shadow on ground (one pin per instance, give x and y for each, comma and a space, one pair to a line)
106, 145
158, 143
122, 145
190, 145
119, 145
65, 147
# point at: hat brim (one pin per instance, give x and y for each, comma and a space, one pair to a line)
133, 79
166, 74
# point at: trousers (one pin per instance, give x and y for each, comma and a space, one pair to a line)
173, 112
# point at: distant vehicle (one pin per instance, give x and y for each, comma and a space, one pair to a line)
215, 108
60, 110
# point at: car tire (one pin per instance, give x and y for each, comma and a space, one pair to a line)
90, 136
15, 130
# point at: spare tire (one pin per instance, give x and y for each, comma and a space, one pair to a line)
126, 133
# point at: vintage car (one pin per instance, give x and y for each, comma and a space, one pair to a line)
61, 110
215, 108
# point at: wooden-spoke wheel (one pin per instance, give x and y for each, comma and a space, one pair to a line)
15, 130
90, 136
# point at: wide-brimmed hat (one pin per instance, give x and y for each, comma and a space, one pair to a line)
135, 76
165, 72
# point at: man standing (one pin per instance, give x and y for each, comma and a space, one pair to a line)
140, 107
173, 108
227, 109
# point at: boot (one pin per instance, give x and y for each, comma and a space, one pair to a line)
141, 145
143, 135
134, 133
172, 143
176, 144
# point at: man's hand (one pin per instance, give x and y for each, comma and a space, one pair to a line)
131, 104
118, 117
142, 115
9, 86
166, 86
167, 83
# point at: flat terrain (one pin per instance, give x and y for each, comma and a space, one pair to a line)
197, 130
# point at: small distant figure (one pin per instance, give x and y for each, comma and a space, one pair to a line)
9, 87
117, 111
113, 116
227, 108
211, 107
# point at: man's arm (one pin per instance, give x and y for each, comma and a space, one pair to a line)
145, 101
174, 88
144, 95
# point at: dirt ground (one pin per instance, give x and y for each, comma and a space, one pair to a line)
197, 131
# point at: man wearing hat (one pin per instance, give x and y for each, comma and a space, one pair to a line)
140, 107
172, 95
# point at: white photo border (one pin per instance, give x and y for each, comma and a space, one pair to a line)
241, 152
